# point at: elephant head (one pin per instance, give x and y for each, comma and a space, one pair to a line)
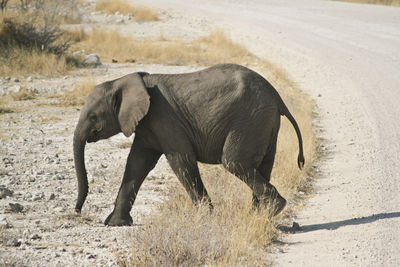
110, 108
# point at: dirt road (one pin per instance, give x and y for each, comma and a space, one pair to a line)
347, 57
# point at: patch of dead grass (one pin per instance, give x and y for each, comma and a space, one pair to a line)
23, 62
77, 96
140, 13
215, 48
23, 94
233, 234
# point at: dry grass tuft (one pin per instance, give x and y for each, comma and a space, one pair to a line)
182, 234
24, 94
140, 13
77, 96
374, 2
22, 62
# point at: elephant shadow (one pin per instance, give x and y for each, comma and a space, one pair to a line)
295, 228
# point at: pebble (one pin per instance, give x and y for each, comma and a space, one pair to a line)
5, 192
15, 207
36, 237
38, 196
16, 80
52, 196
4, 224
13, 242
29, 79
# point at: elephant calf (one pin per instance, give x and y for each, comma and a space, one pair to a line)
226, 114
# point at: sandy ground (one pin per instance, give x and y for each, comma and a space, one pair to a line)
346, 56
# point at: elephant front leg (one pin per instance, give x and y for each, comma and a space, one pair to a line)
140, 162
185, 168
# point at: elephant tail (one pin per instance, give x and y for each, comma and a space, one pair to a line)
285, 112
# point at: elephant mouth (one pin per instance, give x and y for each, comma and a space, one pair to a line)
94, 137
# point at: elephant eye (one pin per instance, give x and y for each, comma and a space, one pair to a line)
92, 117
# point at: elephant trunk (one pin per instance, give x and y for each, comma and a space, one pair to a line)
79, 160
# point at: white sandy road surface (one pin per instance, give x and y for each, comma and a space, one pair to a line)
347, 57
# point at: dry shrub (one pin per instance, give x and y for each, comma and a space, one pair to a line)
77, 96
75, 35
31, 42
140, 13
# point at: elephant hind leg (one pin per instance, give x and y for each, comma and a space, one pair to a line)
244, 161
185, 167
263, 191
265, 167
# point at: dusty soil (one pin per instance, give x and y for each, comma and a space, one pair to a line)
344, 55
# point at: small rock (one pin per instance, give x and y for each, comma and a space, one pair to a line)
5, 192
4, 224
27, 196
52, 196
15, 207
16, 80
26, 233
36, 237
13, 242
59, 209
29, 79
92, 60
38, 196
103, 165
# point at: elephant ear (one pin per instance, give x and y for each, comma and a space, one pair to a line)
132, 101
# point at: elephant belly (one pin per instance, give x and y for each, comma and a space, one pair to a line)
210, 150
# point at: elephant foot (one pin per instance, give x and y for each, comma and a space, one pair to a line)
278, 205
113, 220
